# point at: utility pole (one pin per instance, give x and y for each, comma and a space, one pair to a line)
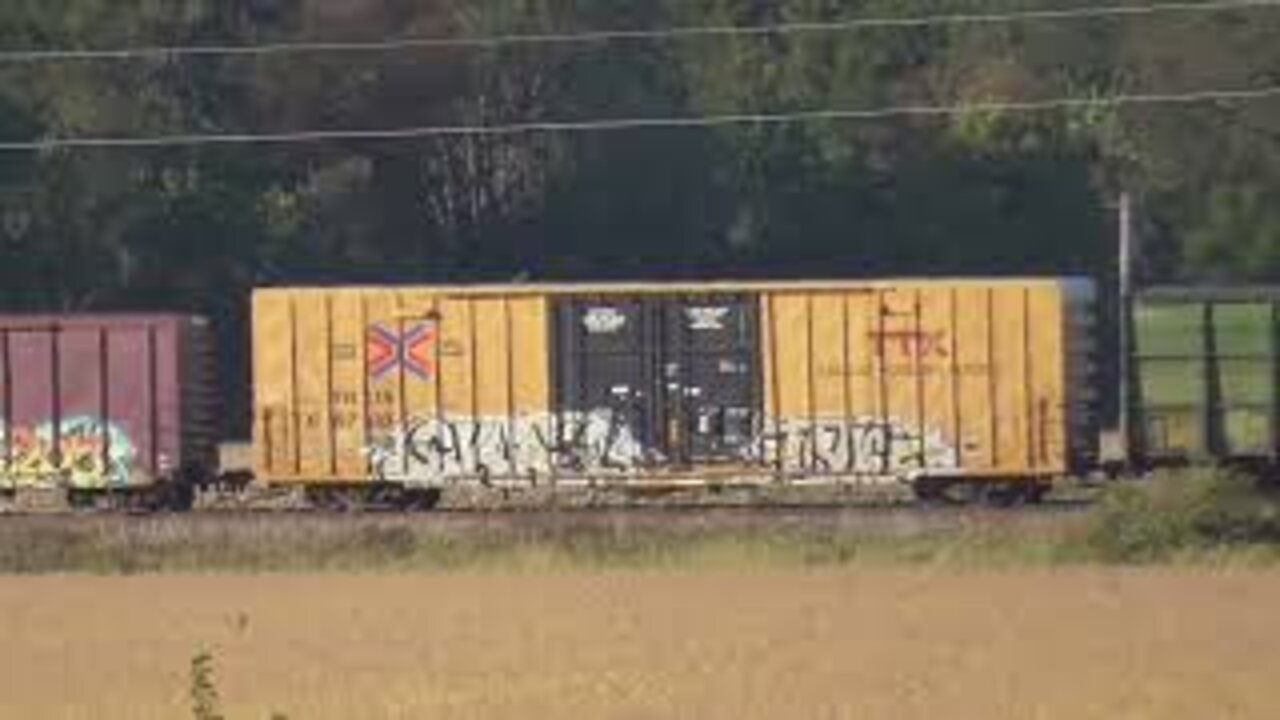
1125, 301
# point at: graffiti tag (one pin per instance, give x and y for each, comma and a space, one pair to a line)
863, 446
602, 443
434, 451
85, 453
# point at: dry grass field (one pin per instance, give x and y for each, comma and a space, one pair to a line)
771, 643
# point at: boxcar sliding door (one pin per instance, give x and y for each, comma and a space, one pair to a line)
674, 380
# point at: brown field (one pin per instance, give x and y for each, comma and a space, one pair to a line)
1079, 643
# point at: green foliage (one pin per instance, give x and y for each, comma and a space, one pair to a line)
1179, 513
1239, 237
977, 193
743, 196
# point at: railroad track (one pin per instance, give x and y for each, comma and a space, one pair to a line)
261, 501
820, 513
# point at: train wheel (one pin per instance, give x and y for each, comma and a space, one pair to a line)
81, 500
975, 492
331, 499
1036, 493
419, 499
1006, 495
933, 491
179, 497
353, 498
141, 501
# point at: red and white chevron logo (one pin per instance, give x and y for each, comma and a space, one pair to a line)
387, 350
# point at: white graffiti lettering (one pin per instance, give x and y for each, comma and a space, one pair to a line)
438, 452
435, 452
863, 446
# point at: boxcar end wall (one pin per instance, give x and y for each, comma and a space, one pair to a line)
807, 382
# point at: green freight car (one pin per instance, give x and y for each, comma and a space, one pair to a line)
1204, 376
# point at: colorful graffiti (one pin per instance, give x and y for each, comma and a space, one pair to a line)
861, 446
83, 453
435, 452
413, 349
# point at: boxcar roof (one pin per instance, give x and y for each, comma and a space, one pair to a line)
642, 287
1205, 293
52, 321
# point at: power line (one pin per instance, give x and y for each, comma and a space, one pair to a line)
608, 36
642, 123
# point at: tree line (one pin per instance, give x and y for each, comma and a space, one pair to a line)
978, 193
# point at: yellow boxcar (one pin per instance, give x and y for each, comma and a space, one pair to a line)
807, 382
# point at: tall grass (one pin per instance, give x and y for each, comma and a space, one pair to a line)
292, 543
1175, 516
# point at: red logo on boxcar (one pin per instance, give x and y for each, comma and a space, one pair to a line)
414, 350
911, 343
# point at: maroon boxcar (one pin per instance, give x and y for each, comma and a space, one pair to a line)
98, 403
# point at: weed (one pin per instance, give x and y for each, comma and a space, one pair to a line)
1176, 513
204, 689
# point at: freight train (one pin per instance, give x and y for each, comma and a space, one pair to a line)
965, 389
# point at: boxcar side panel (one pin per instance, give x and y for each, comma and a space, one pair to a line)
350, 393
273, 385
404, 385
457, 358
863, 381
97, 402
1047, 404
164, 348
137, 420
878, 381
1012, 358
826, 347
975, 425
30, 425
391, 339
80, 383
790, 390
910, 345
886, 381
311, 356
936, 382
530, 358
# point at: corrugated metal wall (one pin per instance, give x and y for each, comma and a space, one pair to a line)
339, 373
104, 401
918, 378
877, 380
